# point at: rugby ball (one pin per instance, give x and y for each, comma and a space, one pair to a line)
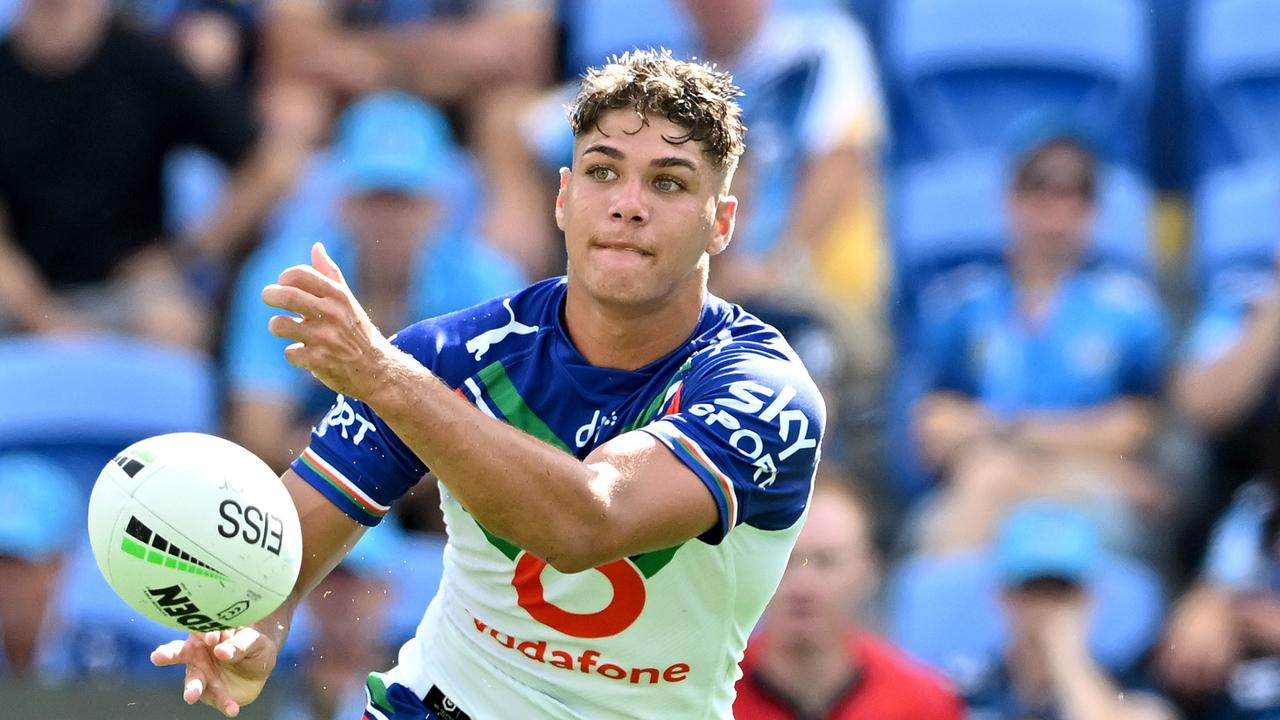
195, 532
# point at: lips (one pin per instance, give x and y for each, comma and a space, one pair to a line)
620, 245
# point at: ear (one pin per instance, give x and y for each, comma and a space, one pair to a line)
726, 216
565, 174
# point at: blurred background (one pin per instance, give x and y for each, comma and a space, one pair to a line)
1028, 248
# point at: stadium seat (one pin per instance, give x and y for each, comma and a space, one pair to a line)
1233, 77
101, 392
1237, 221
961, 71
945, 610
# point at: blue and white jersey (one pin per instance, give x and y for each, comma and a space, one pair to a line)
1104, 336
655, 635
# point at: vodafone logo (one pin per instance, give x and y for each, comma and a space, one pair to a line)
626, 605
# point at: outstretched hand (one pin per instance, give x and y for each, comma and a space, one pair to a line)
334, 339
225, 670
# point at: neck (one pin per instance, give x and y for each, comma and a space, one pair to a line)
628, 337
810, 672
1028, 673
1038, 273
33, 57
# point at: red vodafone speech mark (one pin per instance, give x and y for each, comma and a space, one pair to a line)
627, 603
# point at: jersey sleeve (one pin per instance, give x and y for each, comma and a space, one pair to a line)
750, 429
357, 461
846, 107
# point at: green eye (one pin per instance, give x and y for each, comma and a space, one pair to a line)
601, 173
668, 184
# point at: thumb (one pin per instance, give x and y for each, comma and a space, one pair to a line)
321, 261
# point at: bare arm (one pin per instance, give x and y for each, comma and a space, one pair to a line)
831, 182
946, 423
25, 295
1215, 396
630, 495
265, 426
1083, 689
256, 184
1118, 429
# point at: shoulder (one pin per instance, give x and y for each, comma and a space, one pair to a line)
747, 357
1123, 293
884, 664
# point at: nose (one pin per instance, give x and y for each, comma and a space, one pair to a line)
628, 203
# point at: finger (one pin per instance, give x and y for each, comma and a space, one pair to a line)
218, 699
306, 277
194, 686
238, 646
295, 300
288, 326
170, 653
321, 261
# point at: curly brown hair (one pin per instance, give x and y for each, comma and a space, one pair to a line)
694, 95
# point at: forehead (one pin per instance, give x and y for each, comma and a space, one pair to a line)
645, 138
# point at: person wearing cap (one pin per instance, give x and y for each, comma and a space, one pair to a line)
1045, 555
384, 203
1221, 651
1042, 373
811, 658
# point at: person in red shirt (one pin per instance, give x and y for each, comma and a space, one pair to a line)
810, 660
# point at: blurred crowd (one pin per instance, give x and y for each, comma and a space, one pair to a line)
1028, 248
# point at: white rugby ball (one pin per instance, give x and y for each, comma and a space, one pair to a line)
195, 532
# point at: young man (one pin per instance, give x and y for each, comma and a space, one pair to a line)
811, 659
619, 420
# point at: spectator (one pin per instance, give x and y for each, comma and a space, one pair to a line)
1045, 556
394, 158
1228, 386
1222, 650
1042, 373
91, 111
38, 502
811, 659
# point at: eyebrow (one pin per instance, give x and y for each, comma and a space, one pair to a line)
662, 162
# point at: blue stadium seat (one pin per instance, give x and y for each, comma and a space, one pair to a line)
1233, 76
100, 393
945, 610
962, 71
1237, 220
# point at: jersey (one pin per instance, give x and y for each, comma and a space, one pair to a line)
654, 635
1103, 336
